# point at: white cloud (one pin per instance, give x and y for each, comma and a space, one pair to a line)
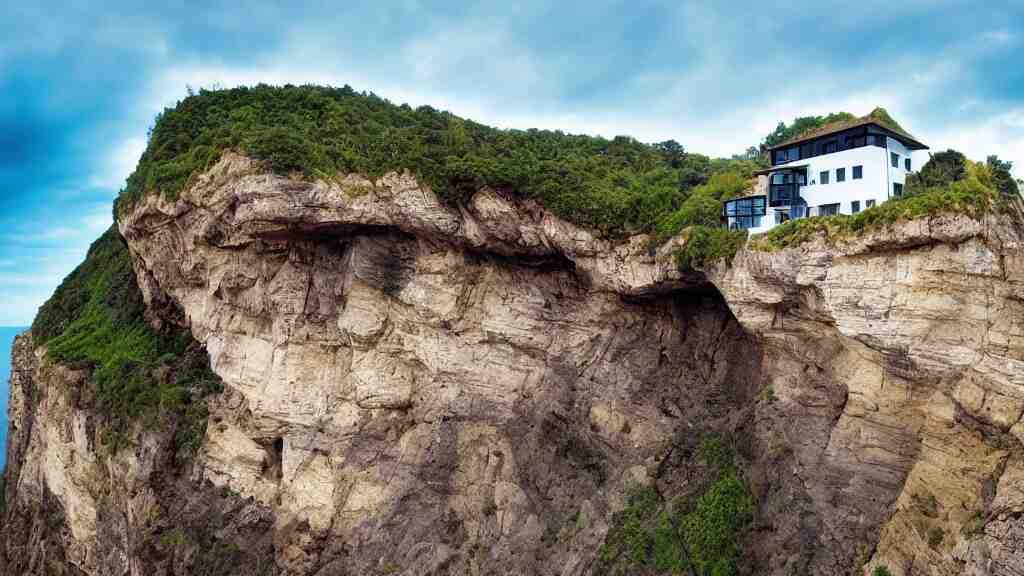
119, 164
1001, 134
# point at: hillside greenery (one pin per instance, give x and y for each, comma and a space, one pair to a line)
96, 320
618, 186
685, 535
947, 183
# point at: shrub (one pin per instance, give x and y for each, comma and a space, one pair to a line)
671, 537
617, 186
935, 537
881, 570
705, 245
96, 320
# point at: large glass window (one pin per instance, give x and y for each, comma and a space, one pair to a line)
744, 213
840, 174
831, 146
823, 177
878, 140
858, 172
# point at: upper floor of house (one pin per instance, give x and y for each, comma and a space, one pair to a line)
841, 136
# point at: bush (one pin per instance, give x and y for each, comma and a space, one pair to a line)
96, 320
617, 186
705, 245
881, 570
670, 537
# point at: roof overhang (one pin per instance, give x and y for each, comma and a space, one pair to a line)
907, 140
780, 169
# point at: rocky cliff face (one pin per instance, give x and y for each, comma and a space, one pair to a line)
417, 389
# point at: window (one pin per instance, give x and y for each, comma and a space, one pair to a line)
895, 159
745, 212
854, 206
830, 147
869, 204
878, 140
906, 164
807, 150
858, 172
793, 154
897, 190
840, 174
828, 209
823, 177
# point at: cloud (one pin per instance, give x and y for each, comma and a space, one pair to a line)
77, 93
119, 163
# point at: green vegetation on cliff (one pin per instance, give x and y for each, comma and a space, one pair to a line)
683, 536
96, 320
618, 186
947, 184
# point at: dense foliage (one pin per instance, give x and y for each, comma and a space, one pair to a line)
706, 245
649, 536
802, 124
948, 183
617, 186
95, 320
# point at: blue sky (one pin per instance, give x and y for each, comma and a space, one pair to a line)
80, 85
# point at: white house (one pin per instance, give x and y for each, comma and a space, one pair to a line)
839, 168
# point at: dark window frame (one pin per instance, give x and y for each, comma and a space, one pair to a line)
897, 189
823, 177
869, 204
906, 164
895, 159
854, 206
828, 209
858, 173
745, 213
840, 175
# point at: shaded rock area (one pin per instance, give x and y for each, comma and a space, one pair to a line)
412, 388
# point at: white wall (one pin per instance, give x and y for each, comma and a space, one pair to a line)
879, 175
873, 186
899, 174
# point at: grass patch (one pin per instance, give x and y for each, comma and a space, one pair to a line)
975, 194
96, 320
618, 186
653, 536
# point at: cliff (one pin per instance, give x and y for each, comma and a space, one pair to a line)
415, 386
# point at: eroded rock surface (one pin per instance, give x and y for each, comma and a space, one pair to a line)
418, 389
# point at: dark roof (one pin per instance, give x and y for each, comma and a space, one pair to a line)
840, 125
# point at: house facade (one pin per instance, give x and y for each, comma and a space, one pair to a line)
839, 168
